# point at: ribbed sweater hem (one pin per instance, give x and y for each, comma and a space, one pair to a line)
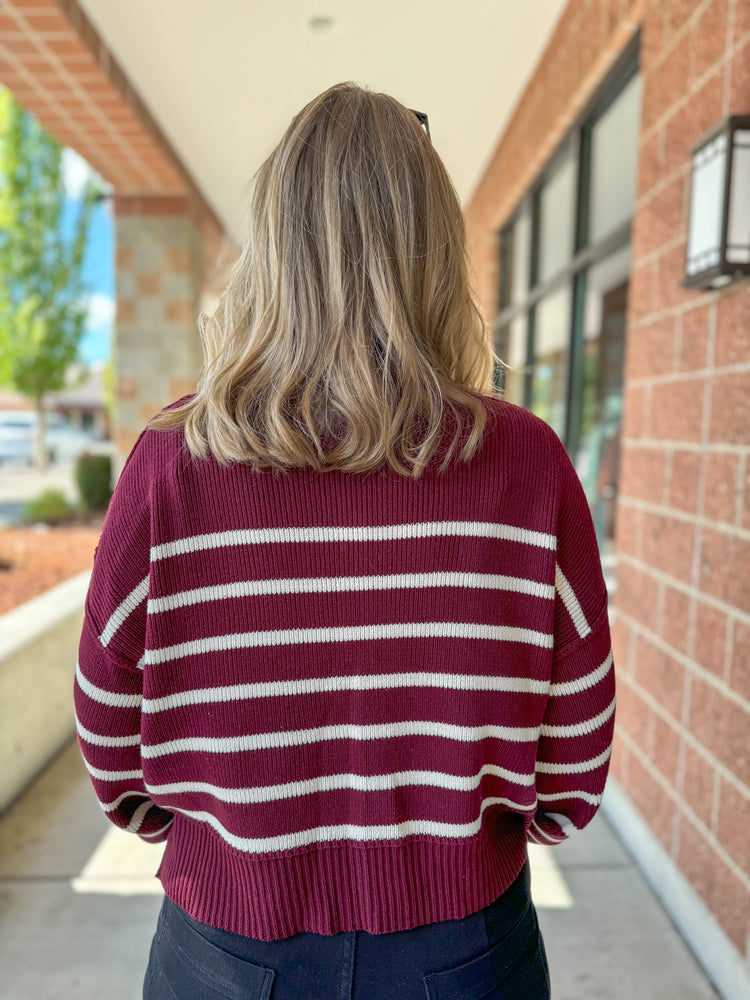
379, 888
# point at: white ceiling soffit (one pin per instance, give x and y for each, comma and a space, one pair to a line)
224, 78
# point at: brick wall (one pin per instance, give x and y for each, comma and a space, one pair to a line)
682, 609
683, 521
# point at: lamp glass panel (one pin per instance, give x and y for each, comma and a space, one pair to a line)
556, 218
614, 162
549, 384
738, 230
706, 206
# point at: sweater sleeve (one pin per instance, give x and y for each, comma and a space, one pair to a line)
575, 740
109, 673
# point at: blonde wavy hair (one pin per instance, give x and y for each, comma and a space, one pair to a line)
348, 331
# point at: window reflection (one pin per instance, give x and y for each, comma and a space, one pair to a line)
551, 351
598, 454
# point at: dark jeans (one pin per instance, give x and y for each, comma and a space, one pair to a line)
493, 954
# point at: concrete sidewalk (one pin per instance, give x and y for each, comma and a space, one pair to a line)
78, 906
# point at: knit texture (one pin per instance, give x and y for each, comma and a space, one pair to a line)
347, 700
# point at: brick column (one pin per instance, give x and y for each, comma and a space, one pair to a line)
159, 271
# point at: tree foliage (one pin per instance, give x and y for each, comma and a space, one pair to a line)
42, 306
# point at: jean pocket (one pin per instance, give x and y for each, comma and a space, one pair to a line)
512, 969
195, 969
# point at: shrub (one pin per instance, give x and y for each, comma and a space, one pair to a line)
94, 478
49, 507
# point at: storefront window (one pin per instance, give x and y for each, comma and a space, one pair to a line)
550, 373
597, 454
565, 259
614, 155
557, 218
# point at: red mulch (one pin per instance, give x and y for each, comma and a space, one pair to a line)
40, 557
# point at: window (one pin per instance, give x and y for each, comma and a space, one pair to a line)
564, 265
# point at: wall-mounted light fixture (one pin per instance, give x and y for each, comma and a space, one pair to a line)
718, 249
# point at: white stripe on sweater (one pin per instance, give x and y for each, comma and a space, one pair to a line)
347, 533
136, 820
348, 831
578, 767
355, 682
582, 683
343, 584
330, 782
157, 833
99, 740
569, 599
100, 775
349, 633
302, 737
373, 682
581, 728
589, 797
114, 699
111, 806
118, 617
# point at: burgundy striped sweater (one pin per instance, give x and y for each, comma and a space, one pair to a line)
347, 700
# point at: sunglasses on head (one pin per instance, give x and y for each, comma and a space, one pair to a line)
422, 119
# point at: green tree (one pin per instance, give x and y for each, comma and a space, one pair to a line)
42, 307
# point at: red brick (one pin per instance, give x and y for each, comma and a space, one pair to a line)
722, 486
627, 529
619, 763
667, 544
178, 259
633, 714
642, 473
723, 893
635, 412
675, 620
721, 726
651, 801
739, 677
698, 787
733, 327
650, 163
636, 595
651, 349
734, 823
693, 340
677, 411
664, 749
653, 35
730, 408
741, 20
739, 81
640, 290
710, 638
684, 481
661, 675
620, 643
670, 273
708, 35
680, 12
662, 217
724, 559
666, 83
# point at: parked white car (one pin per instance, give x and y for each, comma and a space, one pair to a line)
64, 442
